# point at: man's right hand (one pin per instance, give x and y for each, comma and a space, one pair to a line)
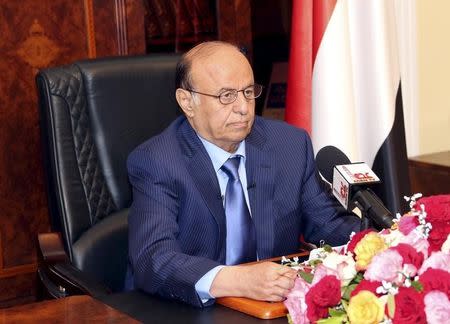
266, 281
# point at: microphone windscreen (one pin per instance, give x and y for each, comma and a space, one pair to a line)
327, 158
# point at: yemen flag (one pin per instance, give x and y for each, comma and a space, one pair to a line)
344, 86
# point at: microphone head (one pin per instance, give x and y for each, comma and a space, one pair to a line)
328, 157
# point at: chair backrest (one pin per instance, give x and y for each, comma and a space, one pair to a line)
93, 113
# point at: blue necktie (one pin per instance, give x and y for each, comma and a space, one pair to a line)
241, 238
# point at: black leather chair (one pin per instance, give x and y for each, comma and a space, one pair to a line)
93, 113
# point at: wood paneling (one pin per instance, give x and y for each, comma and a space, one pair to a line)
35, 35
235, 21
430, 173
18, 289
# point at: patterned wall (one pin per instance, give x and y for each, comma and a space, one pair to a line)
38, 34
35, 35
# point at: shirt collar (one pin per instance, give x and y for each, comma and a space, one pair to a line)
219, 156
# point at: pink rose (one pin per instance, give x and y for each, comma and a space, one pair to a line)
418, 242
407, 223
437, 260
295, 302
321, 271
385, 266
437, 307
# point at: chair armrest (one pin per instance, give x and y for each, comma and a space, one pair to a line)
59, 276
51, 248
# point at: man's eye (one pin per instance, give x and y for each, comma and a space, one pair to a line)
249, 92
226, 94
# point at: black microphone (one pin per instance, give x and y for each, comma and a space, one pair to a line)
327, 158
349, 182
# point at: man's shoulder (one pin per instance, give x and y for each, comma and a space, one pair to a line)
163, 143
277, 129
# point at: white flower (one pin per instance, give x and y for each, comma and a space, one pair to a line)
344, 264
393, 238
317, 254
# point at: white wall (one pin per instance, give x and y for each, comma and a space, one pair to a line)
433, 58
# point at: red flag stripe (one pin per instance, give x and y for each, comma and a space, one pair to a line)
309, 21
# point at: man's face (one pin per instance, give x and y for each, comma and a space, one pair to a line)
223, 125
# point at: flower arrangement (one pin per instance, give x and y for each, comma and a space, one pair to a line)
398, 275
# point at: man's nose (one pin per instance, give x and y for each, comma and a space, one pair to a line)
241, 104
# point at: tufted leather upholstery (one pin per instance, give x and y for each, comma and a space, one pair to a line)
92, 114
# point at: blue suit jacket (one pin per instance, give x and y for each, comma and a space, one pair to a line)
177, 227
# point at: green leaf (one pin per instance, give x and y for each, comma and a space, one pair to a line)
347, 291
314, 263
391, 305
327, 248
308, 277
290, 321
336, 312
345, 305
334, 320
417, 286
358, 278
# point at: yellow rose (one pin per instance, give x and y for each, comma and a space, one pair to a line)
365, 308
367, 248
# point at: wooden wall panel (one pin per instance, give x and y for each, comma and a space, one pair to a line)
119, 27
235, 23
35, 35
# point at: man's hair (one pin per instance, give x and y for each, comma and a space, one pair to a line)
183, 77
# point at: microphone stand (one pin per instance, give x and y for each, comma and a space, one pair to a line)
373, 212
365, 221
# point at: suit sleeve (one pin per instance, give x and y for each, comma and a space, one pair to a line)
159, 266
322, 216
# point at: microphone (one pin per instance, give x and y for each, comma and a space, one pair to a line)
349, 184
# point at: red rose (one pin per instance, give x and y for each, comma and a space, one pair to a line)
409, 307
437, 207
435, 279
324, 294
409, 255
356, 238
367, 285
438, 215
438, 235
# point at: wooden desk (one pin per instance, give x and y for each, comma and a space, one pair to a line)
430, 173
74, 309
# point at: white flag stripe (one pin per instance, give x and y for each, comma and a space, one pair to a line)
356, 78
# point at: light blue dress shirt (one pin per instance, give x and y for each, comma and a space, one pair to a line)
219, 157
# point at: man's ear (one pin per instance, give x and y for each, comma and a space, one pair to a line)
185, 100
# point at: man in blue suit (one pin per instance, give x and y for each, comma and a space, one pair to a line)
192, 219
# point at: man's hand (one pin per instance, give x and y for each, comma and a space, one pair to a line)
266, 281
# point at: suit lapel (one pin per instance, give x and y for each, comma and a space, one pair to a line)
261, 180
203, 175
